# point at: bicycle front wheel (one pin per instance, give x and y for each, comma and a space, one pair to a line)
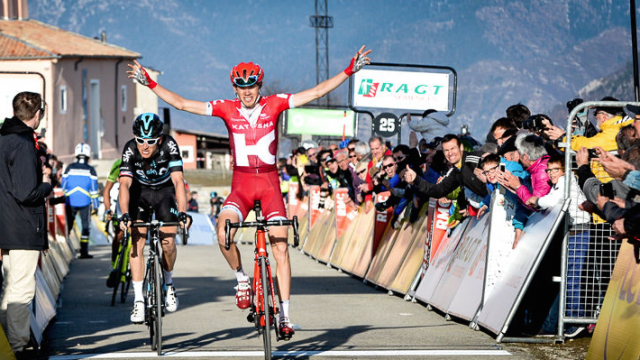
125, 287
118, 270
150, 303
158, 305
266, 304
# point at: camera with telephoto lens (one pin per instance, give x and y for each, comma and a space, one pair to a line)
534, 123
607, 190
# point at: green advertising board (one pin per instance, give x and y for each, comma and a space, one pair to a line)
320, 122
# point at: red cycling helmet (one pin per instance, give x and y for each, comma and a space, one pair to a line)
246, 74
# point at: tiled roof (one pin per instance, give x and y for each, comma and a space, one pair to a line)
30, 38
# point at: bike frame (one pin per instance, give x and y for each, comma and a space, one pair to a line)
263, 304
155, 289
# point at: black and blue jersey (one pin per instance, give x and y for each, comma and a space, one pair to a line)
154, 172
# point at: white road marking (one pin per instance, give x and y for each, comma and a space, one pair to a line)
328, 353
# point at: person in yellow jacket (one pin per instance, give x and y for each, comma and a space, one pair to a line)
609, 121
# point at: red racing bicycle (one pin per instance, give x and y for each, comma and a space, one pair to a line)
263, 300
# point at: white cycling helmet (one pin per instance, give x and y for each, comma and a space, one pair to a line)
83, 149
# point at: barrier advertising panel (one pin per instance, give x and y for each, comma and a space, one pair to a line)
294, 203
468, 298
382, 218
440, 261
618, 330
328, 238
359, 251
439, 225
397, 251
314, 200
43, 307
345, 211
201, 232
518, 267
410, 257
502, 235
354, 227
472, 243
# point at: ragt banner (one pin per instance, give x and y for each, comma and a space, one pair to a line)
410, 90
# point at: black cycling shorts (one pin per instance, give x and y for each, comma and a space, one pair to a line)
144, 202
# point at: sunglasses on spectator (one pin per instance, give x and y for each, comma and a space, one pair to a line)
361, 171
353, 156
388, 166
149, 142
552, 170
400, 158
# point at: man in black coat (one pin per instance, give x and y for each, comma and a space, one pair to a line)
23, 224
461, 172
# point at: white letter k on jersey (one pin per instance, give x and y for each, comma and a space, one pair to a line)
260, 149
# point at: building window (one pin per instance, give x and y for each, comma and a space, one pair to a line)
187, 154
123, 99
63, 99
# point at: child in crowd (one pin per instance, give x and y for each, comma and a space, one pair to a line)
490, 171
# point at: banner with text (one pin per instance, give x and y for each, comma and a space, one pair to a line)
410, 90
618, 330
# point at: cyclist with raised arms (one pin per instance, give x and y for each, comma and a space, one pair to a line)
151, 181
251, 120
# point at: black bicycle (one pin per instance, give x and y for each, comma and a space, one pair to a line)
120, 275
154, 286
264, 310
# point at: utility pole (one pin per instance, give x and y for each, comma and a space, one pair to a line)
634, 47
321, 21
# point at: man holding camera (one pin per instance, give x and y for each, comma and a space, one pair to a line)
609, 120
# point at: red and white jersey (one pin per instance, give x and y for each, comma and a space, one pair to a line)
253, 135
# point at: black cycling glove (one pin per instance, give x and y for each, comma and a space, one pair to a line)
125, 219
182, 217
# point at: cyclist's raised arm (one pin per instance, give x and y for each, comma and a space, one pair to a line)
325, 87
139, 74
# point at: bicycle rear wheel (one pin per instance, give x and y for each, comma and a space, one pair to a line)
266, 303
158, 305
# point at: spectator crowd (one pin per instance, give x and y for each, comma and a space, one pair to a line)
523, 158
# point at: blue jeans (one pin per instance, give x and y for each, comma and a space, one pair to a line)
577, 253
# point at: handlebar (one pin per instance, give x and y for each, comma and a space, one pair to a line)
260, 224
184, 231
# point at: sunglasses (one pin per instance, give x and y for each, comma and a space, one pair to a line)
353, 156
361, 171
249, 81
400, 158
388, 166
149, 142
42, 110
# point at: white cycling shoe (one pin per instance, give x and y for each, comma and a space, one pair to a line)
171, 302
137, 313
